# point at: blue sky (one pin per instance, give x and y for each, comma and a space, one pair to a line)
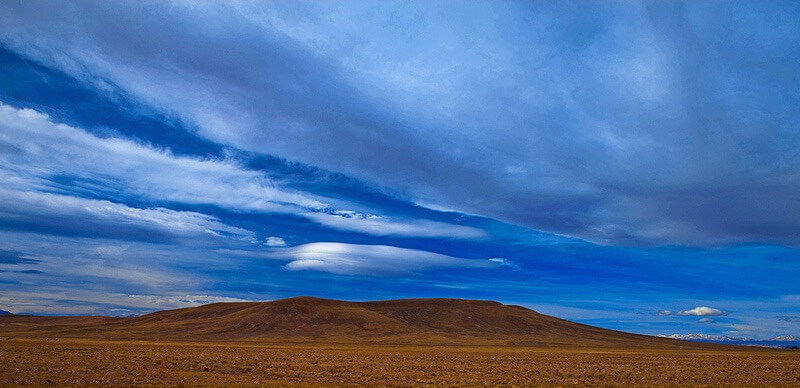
619, 164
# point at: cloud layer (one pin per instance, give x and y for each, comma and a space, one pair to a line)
630, 123
42, 155
39, 150
790, 318
176, 153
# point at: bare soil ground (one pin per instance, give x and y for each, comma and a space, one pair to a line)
86, 362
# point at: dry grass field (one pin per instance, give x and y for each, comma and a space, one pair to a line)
70, 362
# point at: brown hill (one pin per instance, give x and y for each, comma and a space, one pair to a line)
306, 319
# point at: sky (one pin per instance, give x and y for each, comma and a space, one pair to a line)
630, 165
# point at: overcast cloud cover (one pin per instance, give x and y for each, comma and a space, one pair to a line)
525, 152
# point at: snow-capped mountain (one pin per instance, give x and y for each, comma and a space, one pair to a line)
784, 341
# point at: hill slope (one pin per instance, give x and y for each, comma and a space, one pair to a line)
306, 319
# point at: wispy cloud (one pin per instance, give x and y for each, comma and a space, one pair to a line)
503, 262
82, 302
65, 215
384, 226
108, 265
41, 151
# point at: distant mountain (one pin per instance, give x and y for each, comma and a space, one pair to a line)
305, 319
782, 341
4, 312
127, 316
783, 338
705, 337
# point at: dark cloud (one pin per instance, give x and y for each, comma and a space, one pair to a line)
26, 271
15, 257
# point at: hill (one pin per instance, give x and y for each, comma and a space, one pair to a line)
306, 319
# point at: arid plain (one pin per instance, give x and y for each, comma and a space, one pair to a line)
91, 362
308, 341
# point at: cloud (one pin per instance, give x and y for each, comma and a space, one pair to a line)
643, 164
273, 241
72, 216
383, 226
75, 272
46, 156
41, 149
106, 264
82, 302
702, 311
789, 318
356, 259
706, 320
503, 262
14, 257
174, 301
26, 271
684, 141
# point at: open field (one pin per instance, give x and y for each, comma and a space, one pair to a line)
61, 362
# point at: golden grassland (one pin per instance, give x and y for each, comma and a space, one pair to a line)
82, 362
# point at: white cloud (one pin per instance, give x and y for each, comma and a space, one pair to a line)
100, 303
703, 311
40, 148
503, 262
175, 301
71, 263
273, 241
356, 259
73, 215
91, 275
706, 320
384, 226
